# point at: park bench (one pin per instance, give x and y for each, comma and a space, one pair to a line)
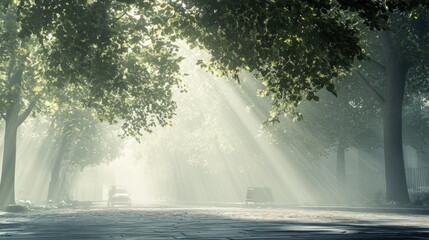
259, 195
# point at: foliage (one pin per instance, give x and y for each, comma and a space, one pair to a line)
350, 119
14, 54
86, 141
111, 56
113, 53
414, 48
295, 48
416, 123
198, 136
419, 198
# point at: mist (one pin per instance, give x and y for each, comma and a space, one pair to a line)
214, 149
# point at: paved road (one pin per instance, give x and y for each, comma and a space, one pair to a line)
210, 223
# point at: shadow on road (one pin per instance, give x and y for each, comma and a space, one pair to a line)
209, 223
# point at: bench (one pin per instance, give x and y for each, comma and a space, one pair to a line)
259, 195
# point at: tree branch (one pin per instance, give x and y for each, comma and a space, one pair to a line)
377, 64
27, 111
368, 85
119, 17
42, 43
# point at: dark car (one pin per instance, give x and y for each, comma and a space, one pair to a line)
118, 196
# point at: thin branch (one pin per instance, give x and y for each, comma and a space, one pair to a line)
368, 85
42, 43
123, 14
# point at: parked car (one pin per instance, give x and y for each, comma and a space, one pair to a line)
118, 196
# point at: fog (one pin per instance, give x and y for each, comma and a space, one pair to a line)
214, 150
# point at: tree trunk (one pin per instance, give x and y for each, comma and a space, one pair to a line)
66, 180
7, 184
342, 191
396, 70
54, 184
341, 163
365, 175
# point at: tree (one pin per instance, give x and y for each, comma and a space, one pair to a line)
351, 123
331, 125
416, 122
111, 56
401, 62
80, 141
289, 45
195, 151
14, 110
296, 48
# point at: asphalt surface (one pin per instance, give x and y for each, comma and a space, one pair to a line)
210, 223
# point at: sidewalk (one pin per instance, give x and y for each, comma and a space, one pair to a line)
419, 210
225, 223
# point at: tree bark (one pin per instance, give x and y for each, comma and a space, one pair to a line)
396, 70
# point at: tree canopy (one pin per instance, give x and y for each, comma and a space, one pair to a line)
294, 47
297, 48
119, 57
114, 50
